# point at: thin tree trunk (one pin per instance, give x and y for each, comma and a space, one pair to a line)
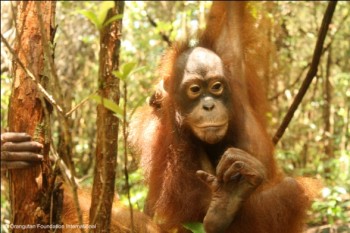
30, 205
327, 18
107, 125
328, 145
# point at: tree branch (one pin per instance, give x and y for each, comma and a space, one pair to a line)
311, 73
162, 34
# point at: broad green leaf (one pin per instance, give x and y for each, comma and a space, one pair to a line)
195, 227
136, 70
118, 74
103, 11
92, 17
109, 104
112, 19
127, 68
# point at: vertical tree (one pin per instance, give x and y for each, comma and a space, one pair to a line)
27, 112
107, 122
328, 147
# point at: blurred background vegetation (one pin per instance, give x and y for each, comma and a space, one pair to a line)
316, 143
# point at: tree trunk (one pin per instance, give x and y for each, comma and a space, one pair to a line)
328, 145
27, 114
107, 125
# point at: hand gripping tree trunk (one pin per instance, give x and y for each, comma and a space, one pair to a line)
29, 202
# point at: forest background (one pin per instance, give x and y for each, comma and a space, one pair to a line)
316, 143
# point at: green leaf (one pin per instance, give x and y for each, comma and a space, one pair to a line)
195, 227
92, 17
136, 70
112, 19
109, 104
118, 74
102, 13
126, 70
99, 18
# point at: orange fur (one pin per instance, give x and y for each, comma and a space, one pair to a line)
171, 159
120, 222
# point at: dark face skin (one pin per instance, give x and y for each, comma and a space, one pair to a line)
203, 98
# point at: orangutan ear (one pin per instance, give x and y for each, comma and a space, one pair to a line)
158, 96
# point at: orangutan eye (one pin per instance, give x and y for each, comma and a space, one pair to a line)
195, 88
217, 88
194, 91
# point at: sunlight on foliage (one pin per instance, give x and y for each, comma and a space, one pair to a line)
109, 104
99, 18
308, 148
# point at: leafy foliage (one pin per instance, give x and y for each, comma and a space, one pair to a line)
308, 146
99, 18
108, 104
